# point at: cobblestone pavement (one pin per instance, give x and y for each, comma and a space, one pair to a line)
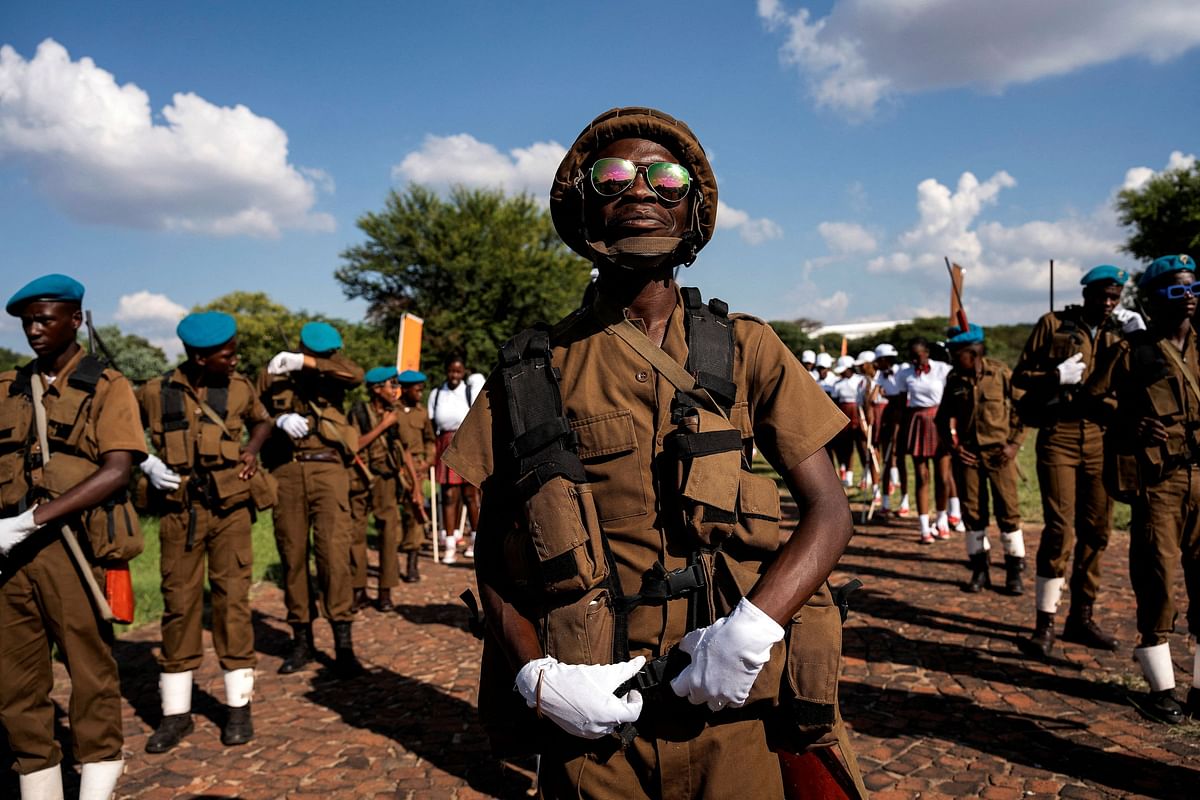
941, 701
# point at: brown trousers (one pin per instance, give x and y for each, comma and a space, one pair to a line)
1165, 531
972, 483
225, 540
314, 494
411, 530
1075, 506
379, 501
44, 601
717, 762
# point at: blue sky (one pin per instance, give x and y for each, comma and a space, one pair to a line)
841, 133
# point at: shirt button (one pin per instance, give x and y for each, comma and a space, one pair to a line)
642, 376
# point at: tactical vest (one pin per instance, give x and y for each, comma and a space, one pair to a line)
563, 570
1132, 464
205, 453
328, 427
111, 528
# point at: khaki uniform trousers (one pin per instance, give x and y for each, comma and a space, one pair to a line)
972, 483
225, 539
412, 532
716, 762
379, 501
1165, 531
1075, 505
314, 494
45, 601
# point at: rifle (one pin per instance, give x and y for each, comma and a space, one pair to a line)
95, 341
961, 312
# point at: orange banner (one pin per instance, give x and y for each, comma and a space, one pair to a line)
408, 345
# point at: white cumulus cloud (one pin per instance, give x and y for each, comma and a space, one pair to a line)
753, 230
1137, 177
94, 148
864, 52
847, 238
152, 316
461, 159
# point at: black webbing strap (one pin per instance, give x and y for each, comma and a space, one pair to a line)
217, 399
710, 346
695, 445
659, 586
174, 409
87, 374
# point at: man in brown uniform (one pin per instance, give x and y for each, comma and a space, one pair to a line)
201, 479
1061, 353
416, 432
308, 454
379, 445
638, 479
978, 420
1153, 461
93, 438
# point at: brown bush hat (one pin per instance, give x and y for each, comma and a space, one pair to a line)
566, 195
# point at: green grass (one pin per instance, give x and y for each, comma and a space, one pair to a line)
144, 569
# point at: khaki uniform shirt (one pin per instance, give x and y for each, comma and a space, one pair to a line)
416, 432
243, 409
305, 392
981, 407
621, 411
384, 454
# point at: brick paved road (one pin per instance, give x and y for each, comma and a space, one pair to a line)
940, 699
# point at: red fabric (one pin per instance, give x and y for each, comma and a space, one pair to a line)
920, 434
445, 475
817, 775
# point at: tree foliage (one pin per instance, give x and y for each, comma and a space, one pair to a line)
477, 266
133, 355
11, 359
1164, 214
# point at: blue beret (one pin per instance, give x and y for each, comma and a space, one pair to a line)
206, 329
1104, 272
411, 376
48, 287
380, 375
320, 337
957, 337
1166, 265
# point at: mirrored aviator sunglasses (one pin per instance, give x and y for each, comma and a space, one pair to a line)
1178, 291
611, 176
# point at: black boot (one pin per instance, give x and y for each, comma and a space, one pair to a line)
979, 573
346, 664
1159, 706
1082, 629
414, 574
1013, 567
170, 732
1192, 707
239, 728
302, 650
385, 600
360, 600
1042, 640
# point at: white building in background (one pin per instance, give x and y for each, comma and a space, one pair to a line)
853, 330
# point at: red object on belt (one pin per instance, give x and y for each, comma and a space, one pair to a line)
815, 775
118, 590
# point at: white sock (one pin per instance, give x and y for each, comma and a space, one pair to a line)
904, 504
176, 691
1049, 593
1014, 543
894, 476
977, 542
942, 520
849, 477
1156, 666
924, 520
955, 508
98, 779
887, 502
44, 784
239, 687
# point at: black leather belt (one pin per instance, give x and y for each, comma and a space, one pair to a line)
330, 456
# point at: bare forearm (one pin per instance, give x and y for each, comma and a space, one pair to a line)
102, 484
516, 634
823, 528
258, 437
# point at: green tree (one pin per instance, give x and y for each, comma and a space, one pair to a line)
1164, 214
133, 355
264, 327
11, 359
477, 266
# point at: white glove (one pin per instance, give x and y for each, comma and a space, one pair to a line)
1071, 371
1130, 320
293, 425
726, 657
284, 362
14, 530
579, 697
161, 476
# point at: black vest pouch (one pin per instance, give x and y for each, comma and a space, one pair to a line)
707, 454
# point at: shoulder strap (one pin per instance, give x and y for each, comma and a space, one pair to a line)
710, 345
87, 374
666, 366
174, 409
1177, 359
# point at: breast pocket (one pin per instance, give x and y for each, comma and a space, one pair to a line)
609, 451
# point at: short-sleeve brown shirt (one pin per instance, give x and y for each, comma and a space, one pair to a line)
116, 423
243, 408
416, 431
983, 409
620, 408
